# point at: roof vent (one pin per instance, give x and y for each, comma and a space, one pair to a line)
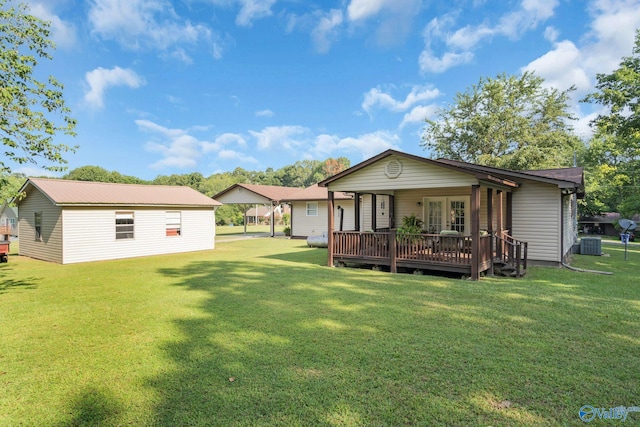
393, 169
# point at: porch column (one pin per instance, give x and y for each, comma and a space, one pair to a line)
499, 208
374, 207
392, 214
475, 232
330, 229
490, 226
510, 213
499, 225
356, 211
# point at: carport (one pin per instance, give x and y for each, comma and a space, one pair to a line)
252, 194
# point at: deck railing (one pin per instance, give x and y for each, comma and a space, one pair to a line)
388, 247
512, 252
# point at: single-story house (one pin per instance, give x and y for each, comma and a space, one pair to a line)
471, 215
309, 211
8, 222
76, 221
602, 224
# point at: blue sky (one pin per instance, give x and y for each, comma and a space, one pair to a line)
161, 87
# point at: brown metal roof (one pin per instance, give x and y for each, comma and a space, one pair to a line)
79, 193
272, 192
571, 178
315, 192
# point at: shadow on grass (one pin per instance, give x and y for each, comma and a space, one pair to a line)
7, 284
92, 407
288, 342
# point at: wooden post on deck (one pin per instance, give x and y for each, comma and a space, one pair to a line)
374, 213
499, 224
356, 211
330, 229
392, 250
490, 226
475, 232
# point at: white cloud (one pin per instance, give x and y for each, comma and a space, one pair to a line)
223, 140
101, 79
147, 24
363, 9
280, 137
265, 113
561, 67
458, 45
236, 155
62, 33
251, 10
368, 144
178, 147
378, 98
418, 114
326, 31
393, 17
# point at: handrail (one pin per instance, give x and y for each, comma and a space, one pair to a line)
511, 251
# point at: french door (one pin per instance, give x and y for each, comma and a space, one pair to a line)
447, 213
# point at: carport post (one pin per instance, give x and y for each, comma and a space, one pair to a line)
272, 220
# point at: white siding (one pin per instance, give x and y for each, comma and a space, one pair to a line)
536, 219
242, 195
50, 247
414, 174
304, 226
484, 222
89, 233
570, 224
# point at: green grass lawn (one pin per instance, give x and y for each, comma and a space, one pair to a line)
259, 332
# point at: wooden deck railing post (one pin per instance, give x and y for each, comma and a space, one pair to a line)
392, 250
329, 229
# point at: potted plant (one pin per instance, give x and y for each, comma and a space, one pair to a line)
410, 230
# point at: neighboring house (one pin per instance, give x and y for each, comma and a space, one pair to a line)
8, 221
309, 211
76, 221
602, 224
485, 211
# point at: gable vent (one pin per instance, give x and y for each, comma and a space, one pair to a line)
393, 169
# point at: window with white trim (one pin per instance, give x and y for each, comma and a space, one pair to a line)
174, 223
312, 208
124, 225
37, 222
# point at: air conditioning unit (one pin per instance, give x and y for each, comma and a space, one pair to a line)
591, 246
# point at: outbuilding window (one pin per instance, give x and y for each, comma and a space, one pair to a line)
174, 223
37, 221
312, 208
124, 225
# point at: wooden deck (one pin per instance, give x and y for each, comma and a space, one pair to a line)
419, 251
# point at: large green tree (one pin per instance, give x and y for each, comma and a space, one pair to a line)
513, 122
32, 112
613, 156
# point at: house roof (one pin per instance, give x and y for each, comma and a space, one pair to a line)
571, 178
563, 177
271, 192
85, 193
315, 192
480, 175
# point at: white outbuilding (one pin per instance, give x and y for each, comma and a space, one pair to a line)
77, 221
